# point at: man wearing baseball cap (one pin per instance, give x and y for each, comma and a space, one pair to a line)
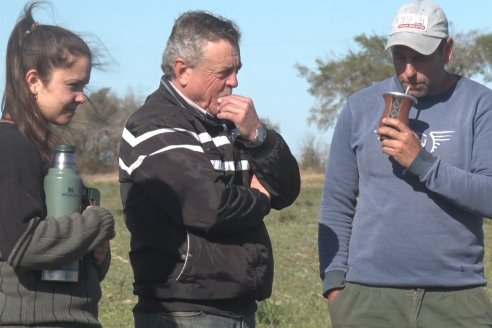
400, 236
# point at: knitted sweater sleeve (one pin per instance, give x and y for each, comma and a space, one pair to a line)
27, 238
49, 243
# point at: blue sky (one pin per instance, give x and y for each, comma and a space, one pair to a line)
276, 36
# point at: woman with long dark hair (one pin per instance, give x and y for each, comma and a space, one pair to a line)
47, 68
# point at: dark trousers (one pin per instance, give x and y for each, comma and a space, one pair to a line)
189, 320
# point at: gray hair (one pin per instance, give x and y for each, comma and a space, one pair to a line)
190, 31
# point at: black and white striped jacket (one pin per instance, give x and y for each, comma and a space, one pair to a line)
197, 230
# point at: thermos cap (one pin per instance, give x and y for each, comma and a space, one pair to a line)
64, 157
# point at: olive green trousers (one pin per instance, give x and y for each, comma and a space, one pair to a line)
359, 306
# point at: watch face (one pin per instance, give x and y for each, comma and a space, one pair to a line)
262, 133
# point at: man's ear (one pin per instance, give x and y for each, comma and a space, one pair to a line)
182, 72
33, 81
448, 50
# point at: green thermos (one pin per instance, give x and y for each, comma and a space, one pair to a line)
63, 188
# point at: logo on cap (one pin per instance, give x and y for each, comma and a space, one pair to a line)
413, 21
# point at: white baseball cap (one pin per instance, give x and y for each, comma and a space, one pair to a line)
420, 25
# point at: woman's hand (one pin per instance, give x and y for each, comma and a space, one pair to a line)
100, 252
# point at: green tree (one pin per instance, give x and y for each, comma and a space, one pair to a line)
334, 79
472, 55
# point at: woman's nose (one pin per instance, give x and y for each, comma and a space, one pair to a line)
80, 97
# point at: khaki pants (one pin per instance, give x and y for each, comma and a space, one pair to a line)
374, 307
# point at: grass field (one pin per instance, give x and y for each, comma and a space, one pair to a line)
296, 300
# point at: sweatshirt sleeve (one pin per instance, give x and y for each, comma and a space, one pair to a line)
338, 204
469, 187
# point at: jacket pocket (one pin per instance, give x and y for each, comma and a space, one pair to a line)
187, 256
229, 267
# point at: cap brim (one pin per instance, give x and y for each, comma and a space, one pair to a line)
425, 45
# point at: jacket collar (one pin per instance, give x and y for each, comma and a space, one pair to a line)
167, 89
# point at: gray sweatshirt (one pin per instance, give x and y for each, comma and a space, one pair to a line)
382, 225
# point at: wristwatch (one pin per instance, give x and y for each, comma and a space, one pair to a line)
261, 134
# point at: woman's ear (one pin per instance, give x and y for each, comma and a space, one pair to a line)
33, 81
